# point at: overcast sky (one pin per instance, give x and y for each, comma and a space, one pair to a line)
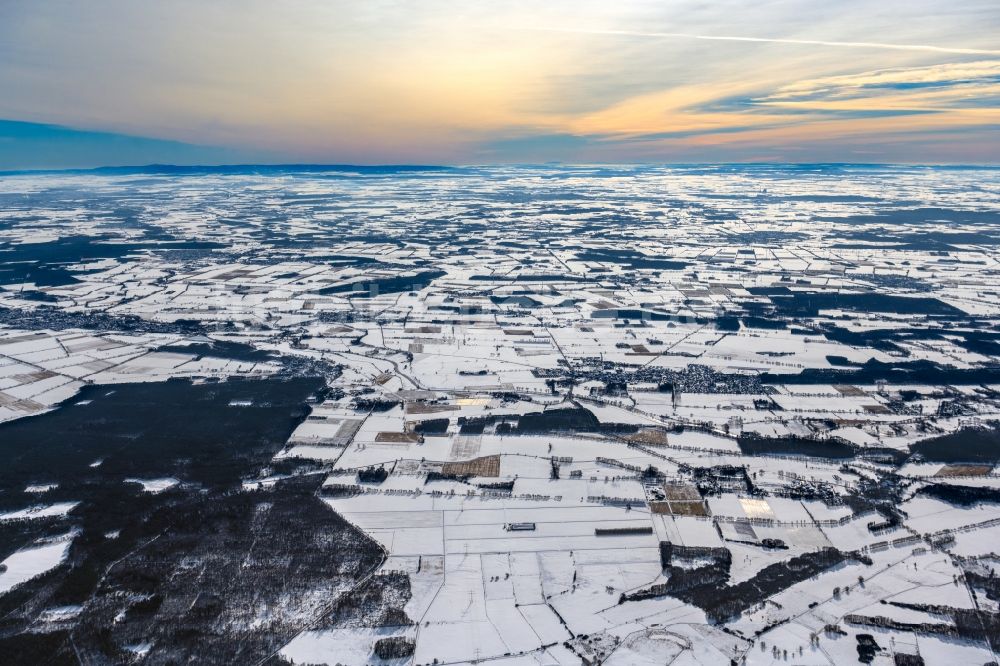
480, 81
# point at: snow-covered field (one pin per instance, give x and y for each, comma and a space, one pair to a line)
576, 407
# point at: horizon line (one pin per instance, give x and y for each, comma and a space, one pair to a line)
178, 169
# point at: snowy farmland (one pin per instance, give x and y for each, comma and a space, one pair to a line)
549, 416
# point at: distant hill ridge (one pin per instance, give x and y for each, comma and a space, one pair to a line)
236, 169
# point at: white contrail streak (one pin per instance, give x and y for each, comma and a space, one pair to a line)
774, 40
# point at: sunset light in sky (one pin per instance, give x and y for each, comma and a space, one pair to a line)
457, 82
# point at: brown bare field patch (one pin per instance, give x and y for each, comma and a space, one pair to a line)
681, 492
688, 509
397, 437
660, 507
651, 436
35, 376
483, 466
848, 390
964, 470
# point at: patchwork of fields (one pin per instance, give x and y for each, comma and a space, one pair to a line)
546, 415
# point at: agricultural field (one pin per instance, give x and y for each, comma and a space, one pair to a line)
511, 415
